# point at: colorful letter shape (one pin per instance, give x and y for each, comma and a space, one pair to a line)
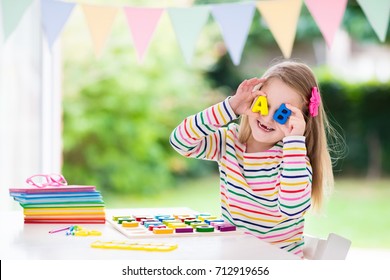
281, 115
260, 106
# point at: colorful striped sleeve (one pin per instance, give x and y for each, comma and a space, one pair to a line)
201, 135
295, 179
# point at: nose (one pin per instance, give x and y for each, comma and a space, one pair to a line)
269, 118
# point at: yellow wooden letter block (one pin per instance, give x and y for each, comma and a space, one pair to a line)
163, 230
130, 224
161, 247
260, 105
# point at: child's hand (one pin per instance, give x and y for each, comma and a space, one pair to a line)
296, 125
242, 101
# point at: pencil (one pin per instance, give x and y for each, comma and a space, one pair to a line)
60, 229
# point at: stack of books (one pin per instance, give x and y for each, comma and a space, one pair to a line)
61, 204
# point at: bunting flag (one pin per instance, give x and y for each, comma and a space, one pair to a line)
234, 21
100, 20
282, 19
54, 16
378, 14
187, 24
13, 10
328, 16
142, 23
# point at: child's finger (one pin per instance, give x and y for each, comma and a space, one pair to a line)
247, 87
295, 111
243, 84
258, 93
256, 80
242, 87
284, 128
257, 87
294, 119
294, 126
256, 83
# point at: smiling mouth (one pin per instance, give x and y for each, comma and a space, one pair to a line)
264, 127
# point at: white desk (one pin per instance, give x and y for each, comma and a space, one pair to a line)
19, 241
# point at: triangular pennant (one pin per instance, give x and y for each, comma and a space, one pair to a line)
187, 23
328, 16
12, 13
100, 20
378, 14
54, 16
142, 23
282, 19
234, 21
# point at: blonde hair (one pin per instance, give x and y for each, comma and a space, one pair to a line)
300, 77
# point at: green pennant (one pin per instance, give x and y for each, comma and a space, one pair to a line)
377, 13
13, 11
187, 24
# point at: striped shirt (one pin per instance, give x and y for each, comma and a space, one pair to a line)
265, 193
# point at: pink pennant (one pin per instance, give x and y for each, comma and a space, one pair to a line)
328, 15
142, 23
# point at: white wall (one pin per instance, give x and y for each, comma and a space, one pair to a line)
358, 61
30, 107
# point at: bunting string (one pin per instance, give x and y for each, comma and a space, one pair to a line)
281, 17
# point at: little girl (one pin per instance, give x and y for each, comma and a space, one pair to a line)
270, 174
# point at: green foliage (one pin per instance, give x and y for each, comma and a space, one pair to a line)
118, 114
116, 129
359, 112
353, 212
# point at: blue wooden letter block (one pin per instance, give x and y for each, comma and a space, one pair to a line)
281, 115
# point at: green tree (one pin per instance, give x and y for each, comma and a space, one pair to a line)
118, 114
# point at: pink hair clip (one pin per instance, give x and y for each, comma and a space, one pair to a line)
315, 101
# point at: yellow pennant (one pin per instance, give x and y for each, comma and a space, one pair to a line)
99, 21
282, 19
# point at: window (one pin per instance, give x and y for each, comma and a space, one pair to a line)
30, 105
